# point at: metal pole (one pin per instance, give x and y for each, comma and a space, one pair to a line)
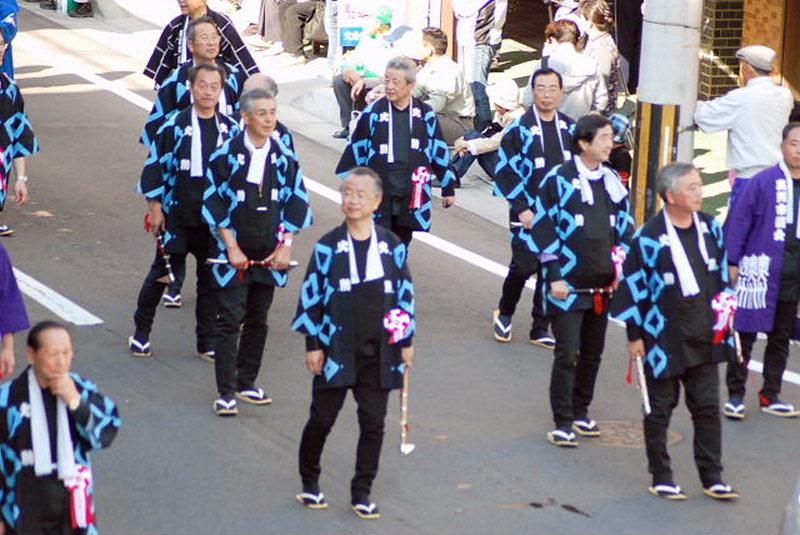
668, 80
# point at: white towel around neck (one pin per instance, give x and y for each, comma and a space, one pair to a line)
374, 269
196, 165
183, 44
258, 160
614, 186
686, 277
791, 208
40, 435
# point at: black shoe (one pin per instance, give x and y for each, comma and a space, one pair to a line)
501, 327
734, 408
342, 133
312, 500
48, 4
667, 491
586, 427
139, 346
542, 339
5, 230
225, 406
563, 438
83, 11
774, 406
172, 300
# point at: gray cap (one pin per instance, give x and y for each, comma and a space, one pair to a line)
759, 56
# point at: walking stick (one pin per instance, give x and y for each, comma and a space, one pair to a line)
405, 446
170, 276
642, 384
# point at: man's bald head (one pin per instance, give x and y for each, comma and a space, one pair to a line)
263, 82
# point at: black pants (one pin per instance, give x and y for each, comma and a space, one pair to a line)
198, 241
294, 17
512, 290
404, 233
580, 337
701, 387
775, 355
242, 318
346, 103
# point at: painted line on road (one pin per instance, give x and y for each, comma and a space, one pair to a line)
54, 301
331, 194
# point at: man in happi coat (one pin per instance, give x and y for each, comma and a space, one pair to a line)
399, 138
14, 317
356, 310
677, 305
582, 227
174, 95
17, 141
172, 49
536, 143
256, 201
266, 83
50, 420
763, 240
173, 183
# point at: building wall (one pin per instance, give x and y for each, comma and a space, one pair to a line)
763, 23
720, 39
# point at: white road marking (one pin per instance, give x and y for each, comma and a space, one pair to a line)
54, 301
331, 194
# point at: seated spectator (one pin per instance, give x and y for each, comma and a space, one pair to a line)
601, 46
584, 90
504, 96
294, 15
441, 84
362, 69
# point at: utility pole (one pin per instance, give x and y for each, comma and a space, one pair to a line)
668, 78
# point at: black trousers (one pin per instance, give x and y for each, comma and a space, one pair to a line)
346, 104
701, 387
580, 338
198, 242
242, 318
404, 233
512, 290
775, 355
294, 16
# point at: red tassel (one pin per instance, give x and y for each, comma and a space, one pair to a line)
599, 303
629, 375
241, 275
147, 224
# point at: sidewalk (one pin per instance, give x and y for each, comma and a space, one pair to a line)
308, 106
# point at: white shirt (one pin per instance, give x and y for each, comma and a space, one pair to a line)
442, 85
754, 116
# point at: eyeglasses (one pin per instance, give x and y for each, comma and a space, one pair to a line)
546, 89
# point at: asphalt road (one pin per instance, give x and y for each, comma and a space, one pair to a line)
479, 409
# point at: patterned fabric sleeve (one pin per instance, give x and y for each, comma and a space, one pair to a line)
743, 214
439, 155
99, 422
296, 210
313, 293
159, 163
233, 49
357, 151
160, 64
218, 199
165, 103
632, 292
513, 169
405, 295
625, 225
546, 215
23, 141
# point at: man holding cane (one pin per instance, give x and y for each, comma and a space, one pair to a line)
356, 310
677, 305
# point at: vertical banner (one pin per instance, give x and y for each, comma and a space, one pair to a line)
656, 146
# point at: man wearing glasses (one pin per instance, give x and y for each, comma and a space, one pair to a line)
537, 142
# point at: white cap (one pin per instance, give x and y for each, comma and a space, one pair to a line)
410, 45
759, 56
504, 93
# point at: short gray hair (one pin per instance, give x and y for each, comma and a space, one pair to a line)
402, 63
261, 81
377, 183
249, 97
667, 178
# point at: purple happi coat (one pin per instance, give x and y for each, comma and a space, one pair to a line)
13, 316
755, 238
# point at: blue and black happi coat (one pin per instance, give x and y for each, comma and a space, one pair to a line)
325, 308
169, 166
256, 213
92, 429
560, 233
174, 96
646, 297
369, 146
521, 167
16, 135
